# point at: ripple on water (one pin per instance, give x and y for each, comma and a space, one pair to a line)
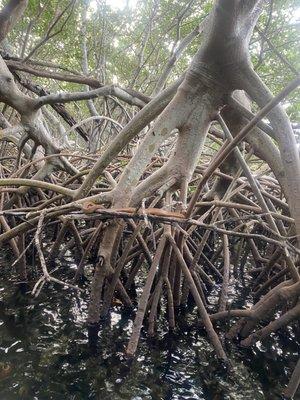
44, 355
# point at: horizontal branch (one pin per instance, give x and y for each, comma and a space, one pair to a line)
127, 95
111, 90
59, 108
111, 213
37, 184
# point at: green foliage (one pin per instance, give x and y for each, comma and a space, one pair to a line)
131, 45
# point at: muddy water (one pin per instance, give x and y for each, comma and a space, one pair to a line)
44, 354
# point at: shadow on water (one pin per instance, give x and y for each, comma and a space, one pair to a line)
45, 354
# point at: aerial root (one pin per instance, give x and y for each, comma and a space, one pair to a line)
163, 264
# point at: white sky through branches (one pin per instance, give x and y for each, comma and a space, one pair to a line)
116, 4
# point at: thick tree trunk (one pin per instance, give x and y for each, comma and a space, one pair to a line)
213, 75
180, 269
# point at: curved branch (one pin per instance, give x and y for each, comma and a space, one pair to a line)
227, 148
111, 90
133, 128
95, 117
285, 137
37, 184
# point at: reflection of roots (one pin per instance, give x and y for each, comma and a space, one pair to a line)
165, 233
170, 261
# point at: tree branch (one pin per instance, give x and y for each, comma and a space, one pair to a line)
10, 15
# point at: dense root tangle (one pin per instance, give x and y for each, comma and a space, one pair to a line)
173, 261
171, 231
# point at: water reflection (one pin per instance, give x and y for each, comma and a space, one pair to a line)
45, 355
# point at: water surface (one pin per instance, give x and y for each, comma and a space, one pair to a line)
44, 354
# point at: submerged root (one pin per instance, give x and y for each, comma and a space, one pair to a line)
187, 258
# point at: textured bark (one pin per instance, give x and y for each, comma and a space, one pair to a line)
285, 138
10, 15
185, 236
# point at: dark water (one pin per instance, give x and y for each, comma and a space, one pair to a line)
44, 354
